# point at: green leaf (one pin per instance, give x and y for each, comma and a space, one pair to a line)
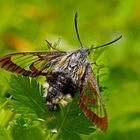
5, 134
27, 98
23, 129
70, 122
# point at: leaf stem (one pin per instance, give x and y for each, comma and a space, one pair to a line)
61, 126
4, 104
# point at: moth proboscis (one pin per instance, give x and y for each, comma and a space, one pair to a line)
66, 74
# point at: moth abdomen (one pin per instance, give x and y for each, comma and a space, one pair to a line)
63, 82
60, 90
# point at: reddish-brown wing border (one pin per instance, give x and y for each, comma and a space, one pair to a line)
38, 57
99, 120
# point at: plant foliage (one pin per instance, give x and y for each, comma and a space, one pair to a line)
33, 121
27, 98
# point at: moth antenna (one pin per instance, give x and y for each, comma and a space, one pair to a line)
107, 43
76, 28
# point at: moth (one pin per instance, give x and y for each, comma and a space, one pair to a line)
66, 74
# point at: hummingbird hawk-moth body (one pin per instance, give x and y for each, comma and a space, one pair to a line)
67, 73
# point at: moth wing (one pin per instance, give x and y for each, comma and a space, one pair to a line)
30, 63
92, 104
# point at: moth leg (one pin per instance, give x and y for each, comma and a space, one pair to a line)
57, 43
53, 46
98, 67
49, 44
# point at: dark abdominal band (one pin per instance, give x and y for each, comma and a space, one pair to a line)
60, 84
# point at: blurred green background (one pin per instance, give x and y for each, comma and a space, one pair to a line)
26, 24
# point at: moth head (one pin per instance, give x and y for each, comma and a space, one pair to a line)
86, 49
